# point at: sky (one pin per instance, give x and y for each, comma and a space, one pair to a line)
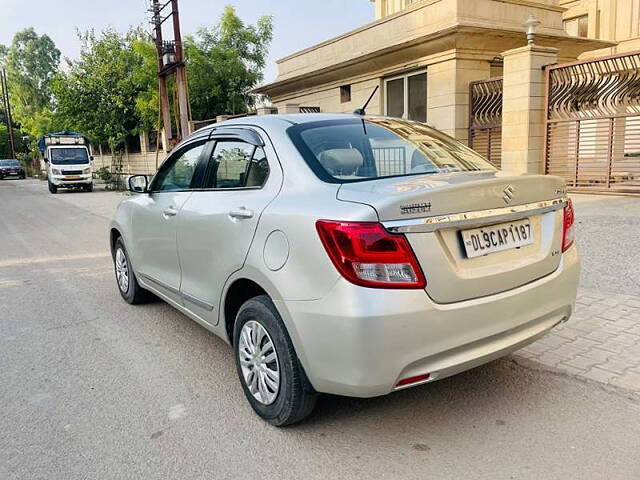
298, 23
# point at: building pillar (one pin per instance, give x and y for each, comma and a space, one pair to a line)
524, 109
266, 110
144, 142
287, 108
448, 94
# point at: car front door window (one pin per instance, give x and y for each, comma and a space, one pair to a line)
180, 172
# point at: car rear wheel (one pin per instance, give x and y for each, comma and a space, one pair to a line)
52, 188
272, 378
128, 285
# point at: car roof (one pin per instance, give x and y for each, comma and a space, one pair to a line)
280, 120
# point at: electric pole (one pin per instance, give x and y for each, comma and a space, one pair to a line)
181, 73
170, 61
162, 88
7, 111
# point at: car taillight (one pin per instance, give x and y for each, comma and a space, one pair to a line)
367, 255
568, 228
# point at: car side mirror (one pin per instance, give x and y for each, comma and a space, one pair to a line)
138, 184
46, 160
91, 158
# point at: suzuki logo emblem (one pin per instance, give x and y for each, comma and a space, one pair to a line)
508, 194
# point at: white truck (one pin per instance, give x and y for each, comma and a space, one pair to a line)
68, 160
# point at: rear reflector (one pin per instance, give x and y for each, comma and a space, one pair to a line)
568, 227
410, 380
367, 255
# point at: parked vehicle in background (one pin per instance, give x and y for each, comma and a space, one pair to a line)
330, 268
12, 168
68, 160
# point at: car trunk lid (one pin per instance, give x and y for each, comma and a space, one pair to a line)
433, 210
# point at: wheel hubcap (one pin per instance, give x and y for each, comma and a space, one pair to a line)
259, 362
122, 271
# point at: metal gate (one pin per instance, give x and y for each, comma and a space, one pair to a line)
593, 123
485, 119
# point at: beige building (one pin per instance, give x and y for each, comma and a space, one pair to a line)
423, 55
614, 20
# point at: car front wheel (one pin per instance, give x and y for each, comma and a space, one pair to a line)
52, 188
272, 378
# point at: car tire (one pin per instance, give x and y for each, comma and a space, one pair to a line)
52, 188
294, 399
128, 285
88, 188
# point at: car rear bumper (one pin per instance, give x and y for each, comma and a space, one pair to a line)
360, 342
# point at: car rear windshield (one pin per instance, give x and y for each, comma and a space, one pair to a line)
69, 156
9, 163
351, 150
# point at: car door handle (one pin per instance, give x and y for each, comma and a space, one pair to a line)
241, 213
170, 212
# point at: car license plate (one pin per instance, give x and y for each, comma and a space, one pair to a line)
496, 238
72, 177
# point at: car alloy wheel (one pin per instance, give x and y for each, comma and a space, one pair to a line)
122, 271
259, 362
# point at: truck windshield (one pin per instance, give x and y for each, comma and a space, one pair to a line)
69, 156
351, 150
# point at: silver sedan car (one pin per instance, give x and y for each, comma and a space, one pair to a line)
346, 254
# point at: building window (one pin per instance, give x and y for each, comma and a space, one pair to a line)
577, 27
345, 93
406, 96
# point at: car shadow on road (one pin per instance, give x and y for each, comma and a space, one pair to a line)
476, 388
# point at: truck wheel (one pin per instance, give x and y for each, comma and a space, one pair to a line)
272, 378
52, 188
88, 188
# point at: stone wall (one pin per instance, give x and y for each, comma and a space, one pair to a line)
133, 163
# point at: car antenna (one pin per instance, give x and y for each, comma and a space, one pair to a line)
362, 111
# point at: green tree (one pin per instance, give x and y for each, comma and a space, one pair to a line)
146, 77
32, 62
225, 63
98, 94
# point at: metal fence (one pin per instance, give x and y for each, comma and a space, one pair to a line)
592, 136
309, 109
390, 160
485, 119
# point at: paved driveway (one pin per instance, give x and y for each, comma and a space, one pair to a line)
93, 388
602, 340
608, 232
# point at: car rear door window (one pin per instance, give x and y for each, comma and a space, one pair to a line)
237, 164
258, 169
